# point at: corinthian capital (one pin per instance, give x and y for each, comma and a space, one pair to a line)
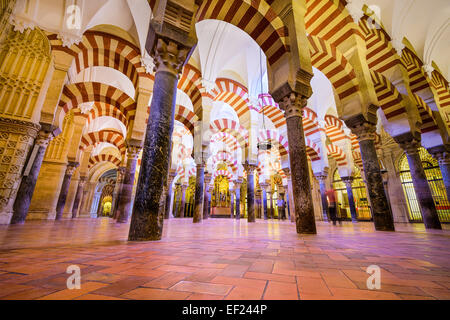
409, 142
133, 151
169, 56
71, 166
291, 101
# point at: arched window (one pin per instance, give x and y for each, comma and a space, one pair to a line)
434, 177
359, 195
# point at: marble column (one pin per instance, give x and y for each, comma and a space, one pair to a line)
183, 200
28, 183
282, 208
207, 196
126, 191
78, 195
264, 187
250, 192
177, 201
411, 143
351, 201
172, 174
237, 186
117, 191
442, 155
231, 204
169, 57
71, 166
95, 204
199, 194
271, 208
323, 194
364, 130
293, 103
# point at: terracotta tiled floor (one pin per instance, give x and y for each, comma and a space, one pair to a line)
222, 259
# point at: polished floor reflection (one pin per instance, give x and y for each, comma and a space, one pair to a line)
222, 259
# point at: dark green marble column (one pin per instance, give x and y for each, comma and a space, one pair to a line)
351, 201
250, 192
323, 194
237, 189
199, 194
78, 195
364, 130
442, 155
293, 103
28, 183
71, 166
125, 200
411, 144
169, 57
264, 198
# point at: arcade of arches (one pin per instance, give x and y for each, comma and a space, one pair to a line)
147, 112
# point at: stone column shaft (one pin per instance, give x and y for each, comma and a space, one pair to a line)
71, 166
323, 196
238, 202
351, 201
183, 200
293, 103
126, 197
28, 183
250, 193
364, 130
264, 200
423, 192
78, 195
199, 194
147, 220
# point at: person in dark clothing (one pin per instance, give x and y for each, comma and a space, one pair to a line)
332, 205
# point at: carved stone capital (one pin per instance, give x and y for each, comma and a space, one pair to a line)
207, 178
71, 166
348, 181
321, 177
287, 172
82, 181
363, 129
250, 168
409, 142
441, 154
43, 138
291, 102
169, 56
184, 187
133, 151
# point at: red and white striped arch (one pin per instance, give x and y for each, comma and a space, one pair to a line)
334, 128
256, 18
271, 110
100, 49
337, 154
231, 127
426, 114
332, 63
389, 98
229, 140
190, 83
310, 122
278, 138
110, 136
234, 94
312, 150
227, 158
224, 173
186, 117
104, 158
76, 93
101, 109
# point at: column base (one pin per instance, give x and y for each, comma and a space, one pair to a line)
5, 217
